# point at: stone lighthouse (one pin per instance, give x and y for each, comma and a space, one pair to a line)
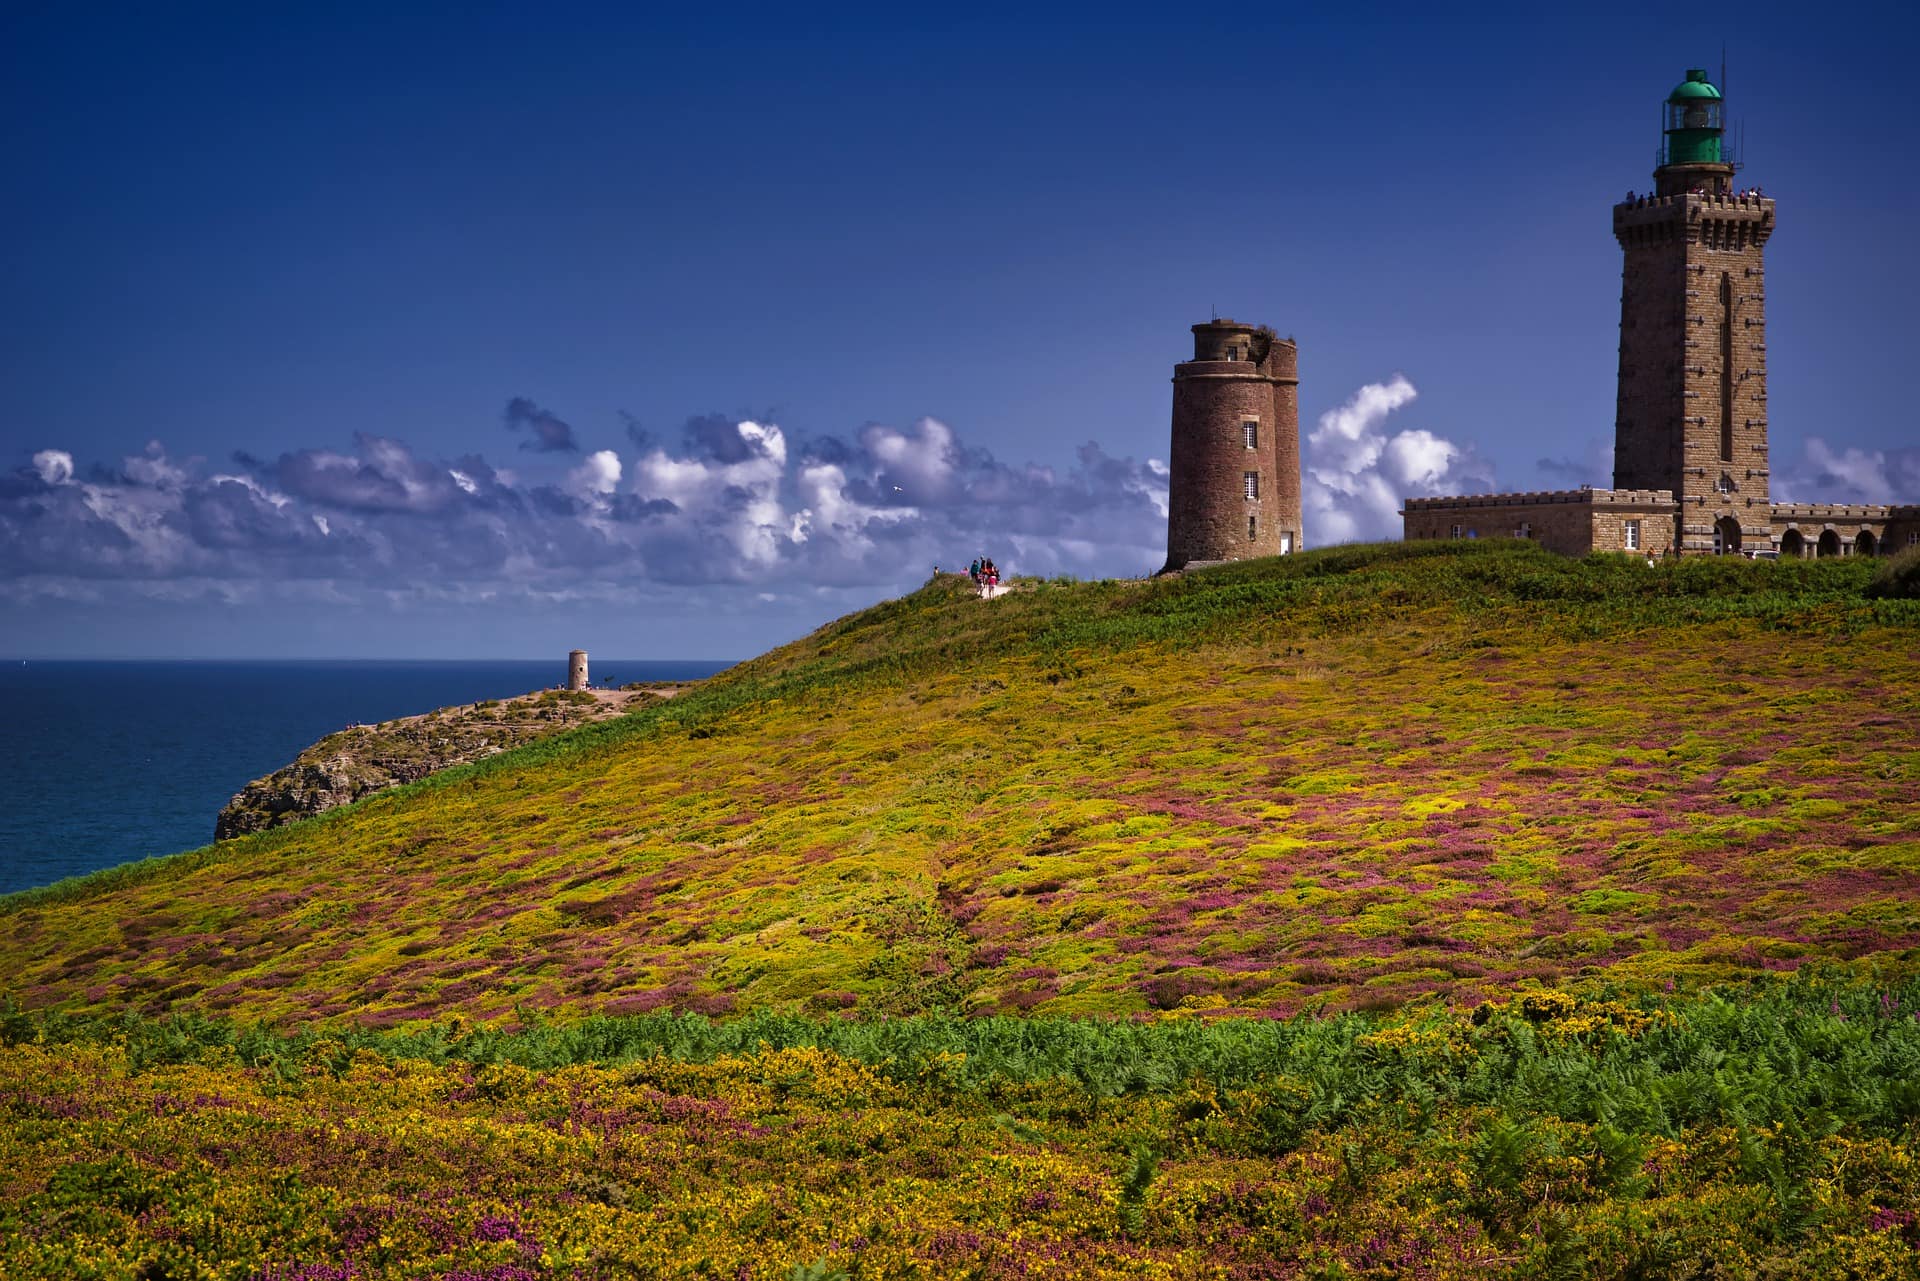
1691, 475
1234, 487
1691, 417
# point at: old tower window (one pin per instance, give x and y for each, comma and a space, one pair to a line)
1251, 430
1250, 482
1632, 528
1456, 531
1286, 542
1253, 525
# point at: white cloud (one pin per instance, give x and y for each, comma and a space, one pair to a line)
917, 467
153, 469
1155, 486
1850, 475
738, 501
734, 502
1418, 459
1355, 476
599, 474
54, 465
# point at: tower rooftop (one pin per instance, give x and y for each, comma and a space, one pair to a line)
1695, 88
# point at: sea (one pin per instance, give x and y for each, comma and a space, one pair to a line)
103, 763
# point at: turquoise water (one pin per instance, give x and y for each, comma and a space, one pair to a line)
103, 763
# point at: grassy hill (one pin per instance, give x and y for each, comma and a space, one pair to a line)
1352, 778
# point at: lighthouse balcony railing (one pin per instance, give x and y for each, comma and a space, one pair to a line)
1663, 156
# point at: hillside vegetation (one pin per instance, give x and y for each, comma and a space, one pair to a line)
1349, 778
1768, 1133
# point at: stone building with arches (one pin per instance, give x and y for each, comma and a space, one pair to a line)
1844, 529
1691, 471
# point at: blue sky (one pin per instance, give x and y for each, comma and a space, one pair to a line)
277, 277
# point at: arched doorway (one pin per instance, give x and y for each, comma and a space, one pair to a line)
1829, 543
1726, 537
1863, 543
1792, 545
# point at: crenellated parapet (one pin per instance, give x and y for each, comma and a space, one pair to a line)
1717, 220
1545, 497
1843, 511
1572, 522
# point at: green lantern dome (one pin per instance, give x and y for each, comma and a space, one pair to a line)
1696, 87
1694, 123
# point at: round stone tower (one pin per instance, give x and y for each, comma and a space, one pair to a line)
1234, 488
577, 669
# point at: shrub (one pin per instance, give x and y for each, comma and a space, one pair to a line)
1898, 578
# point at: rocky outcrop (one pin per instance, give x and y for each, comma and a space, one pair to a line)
363, 759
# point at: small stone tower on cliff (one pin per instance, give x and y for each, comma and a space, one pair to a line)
1692, 413
1234, 488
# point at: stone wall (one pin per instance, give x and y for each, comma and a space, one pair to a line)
1691, 414
1283, 367
1843, 529
1571, 522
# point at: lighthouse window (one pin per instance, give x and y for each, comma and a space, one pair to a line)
1250, 481
1251, 430
1253, 526
1633, 535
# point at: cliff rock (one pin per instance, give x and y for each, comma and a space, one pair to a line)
363, 759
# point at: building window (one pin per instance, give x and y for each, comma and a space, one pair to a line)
1724, 484
1286, 542
1253, 527
1633, 535
1251, 430
1523, 530
1456, 531
1250, 482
